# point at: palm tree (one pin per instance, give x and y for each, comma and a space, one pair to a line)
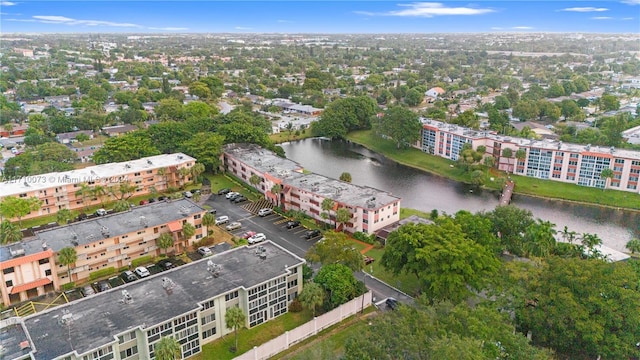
276, 189
99, 192
188, 231
234, 318
167, 348
66, 257
326, 206
84, 192
63, 216
343, 215
9, 233
165, 241
196, 170
633, 245
521, 154
183, 173
312, 296
122, 191
208, 220
163, 173
346, 177
254, 180
508, 153
121, 205
606, 174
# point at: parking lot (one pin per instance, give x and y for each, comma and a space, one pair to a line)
274, 226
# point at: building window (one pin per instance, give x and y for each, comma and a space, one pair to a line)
9, 283
8, 270
47, 272
197, 216
231, 296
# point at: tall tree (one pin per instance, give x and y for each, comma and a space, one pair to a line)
343, 216
346, 177
276, 189
9, 232
66, 257
339, 282
196, 170
336, 248
63, 216
124, 148
167, 348
312, 296
234, 318
327, 206
207, 148
188, 231
16, 207
606, 174
254, 180
208, 220
584, 309
122, 191
509, 224
633, 245
402, 125
165, 241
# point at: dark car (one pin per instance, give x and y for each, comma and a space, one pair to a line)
213, 211
152, 200
162, 198
292, 224
312, 233
239, 199
103, 285
165, 264
392, 303
128, 276
224, 191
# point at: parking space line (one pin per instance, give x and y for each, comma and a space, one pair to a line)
282, 221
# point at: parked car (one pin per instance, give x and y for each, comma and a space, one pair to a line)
165, 264
392, 303
144, 202
224, 191
222, 220
239, 199
292, 224
152, 200
265, 212
128, 276
213, 211
204, 251
142, 271
368, 260
231, 195
187, 194
248, 234
257, 238
101, 212
233, 226
162, 198
312, 233
103, 285
87, 290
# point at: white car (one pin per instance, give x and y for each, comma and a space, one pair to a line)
101, 212
231, 194
222, 220
233, 226
256, 238
265, 212
142, 271
204, 251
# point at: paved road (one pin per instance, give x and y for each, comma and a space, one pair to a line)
274, 227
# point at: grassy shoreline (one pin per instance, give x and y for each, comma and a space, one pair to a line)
528, 186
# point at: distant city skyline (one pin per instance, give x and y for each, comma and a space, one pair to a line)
121, 16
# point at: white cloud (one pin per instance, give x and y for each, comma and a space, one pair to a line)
585, 9
601, 18
627, 18
429, 9
69, 21
496, 28
631, 2
7, 3
522, 28
242, 28
285, 21
168, 28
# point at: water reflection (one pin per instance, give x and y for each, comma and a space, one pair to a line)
423, 191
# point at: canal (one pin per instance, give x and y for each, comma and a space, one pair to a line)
425, 192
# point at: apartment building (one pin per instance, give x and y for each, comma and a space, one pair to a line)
31, 267
187, 303
544, 159
371, 209
64, 190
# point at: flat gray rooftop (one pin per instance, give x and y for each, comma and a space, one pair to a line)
97, 319
11, 336
292, 174
88, 231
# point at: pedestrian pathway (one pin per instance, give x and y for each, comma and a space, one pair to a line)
507, 192
367, 246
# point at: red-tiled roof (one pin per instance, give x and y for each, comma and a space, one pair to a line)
175, 226
28, 286
26, 259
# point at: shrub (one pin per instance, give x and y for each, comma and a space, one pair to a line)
369, 239
295, 306
67, 286
102, 273
141, 260
206, 241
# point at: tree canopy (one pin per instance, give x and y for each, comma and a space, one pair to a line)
400, 124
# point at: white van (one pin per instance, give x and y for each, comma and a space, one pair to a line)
222, 220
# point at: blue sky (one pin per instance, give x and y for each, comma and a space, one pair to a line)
319, 16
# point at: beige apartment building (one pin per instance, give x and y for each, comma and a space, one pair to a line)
371, 209
64, 190
187, 303
31, 268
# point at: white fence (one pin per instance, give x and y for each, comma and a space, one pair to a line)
284, 341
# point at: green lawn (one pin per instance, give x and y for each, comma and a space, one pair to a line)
248, 338
407, 283
284, 136
405, 213
524, 185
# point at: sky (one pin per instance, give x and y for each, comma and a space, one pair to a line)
210, 16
